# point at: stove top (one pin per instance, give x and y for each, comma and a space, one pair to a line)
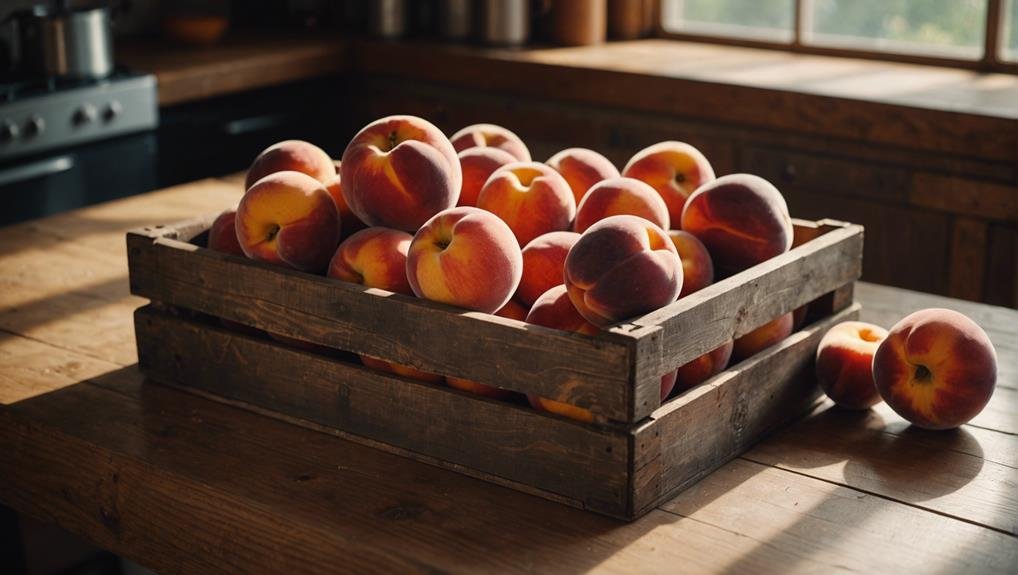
38, 115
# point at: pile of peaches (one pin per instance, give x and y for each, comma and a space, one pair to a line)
472, 221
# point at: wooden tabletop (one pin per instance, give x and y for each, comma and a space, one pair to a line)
184, 484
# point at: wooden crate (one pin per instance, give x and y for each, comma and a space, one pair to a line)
638, 452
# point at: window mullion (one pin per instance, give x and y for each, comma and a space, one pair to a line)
991, 46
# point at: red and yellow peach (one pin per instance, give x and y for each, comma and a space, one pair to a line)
620, 196
674, 169
374, 257
582, 168
936, 368
741, 218
704, 367
530, 197
400, 171
544, 258
844, 363
465, 257
288, 218
491, 136
478, 164
291, 155
697, 265
223, 234
762, 337
622, 267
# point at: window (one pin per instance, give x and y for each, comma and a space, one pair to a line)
969, 33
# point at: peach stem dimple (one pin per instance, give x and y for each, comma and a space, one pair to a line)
272, 232
868, 335
922, 373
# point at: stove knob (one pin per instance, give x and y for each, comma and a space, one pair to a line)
85, 115
113, 109
34, 126
8, 132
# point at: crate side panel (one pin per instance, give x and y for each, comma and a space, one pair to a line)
579, 462
589, 372
698, 432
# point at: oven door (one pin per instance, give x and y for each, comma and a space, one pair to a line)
54, 182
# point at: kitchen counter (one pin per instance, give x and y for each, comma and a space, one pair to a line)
240, 62
180, 483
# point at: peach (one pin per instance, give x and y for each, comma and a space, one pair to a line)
618, 196
405, 371
477, 165
582, 168
287, 218
763, 337
936, 368
531, 197
544, 258
374, 257
513, 310
291, 155
400, 171
844, 363
674, 169
555, 310
704, 367
622, 267
348, 222
741, 218
223, 234
491, 136
465, 257
697, 265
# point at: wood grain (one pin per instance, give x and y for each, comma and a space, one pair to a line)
240, 62
495, 438
429, 336
702, 429
968, 259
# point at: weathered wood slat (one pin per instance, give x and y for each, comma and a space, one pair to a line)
700, 322
426, 335
699, 431
512, 442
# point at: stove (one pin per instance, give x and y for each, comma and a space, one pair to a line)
48, 114
67, 144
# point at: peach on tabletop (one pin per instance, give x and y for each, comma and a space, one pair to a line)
465, 257
404, 370
291, 155
704, 367
763, 337
531, 197
622, 267
697, 265
491, 136
619, 196
544, 258
741, 218
374, 257
844, 363
936, 368
478, 164
223, 234
288, 218
582, 168
674, 169
400, 171
349, 223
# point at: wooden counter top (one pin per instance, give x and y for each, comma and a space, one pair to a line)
242, 61
183, 484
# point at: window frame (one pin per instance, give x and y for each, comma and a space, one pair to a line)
992, 59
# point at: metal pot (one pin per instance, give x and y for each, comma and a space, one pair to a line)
60, 41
